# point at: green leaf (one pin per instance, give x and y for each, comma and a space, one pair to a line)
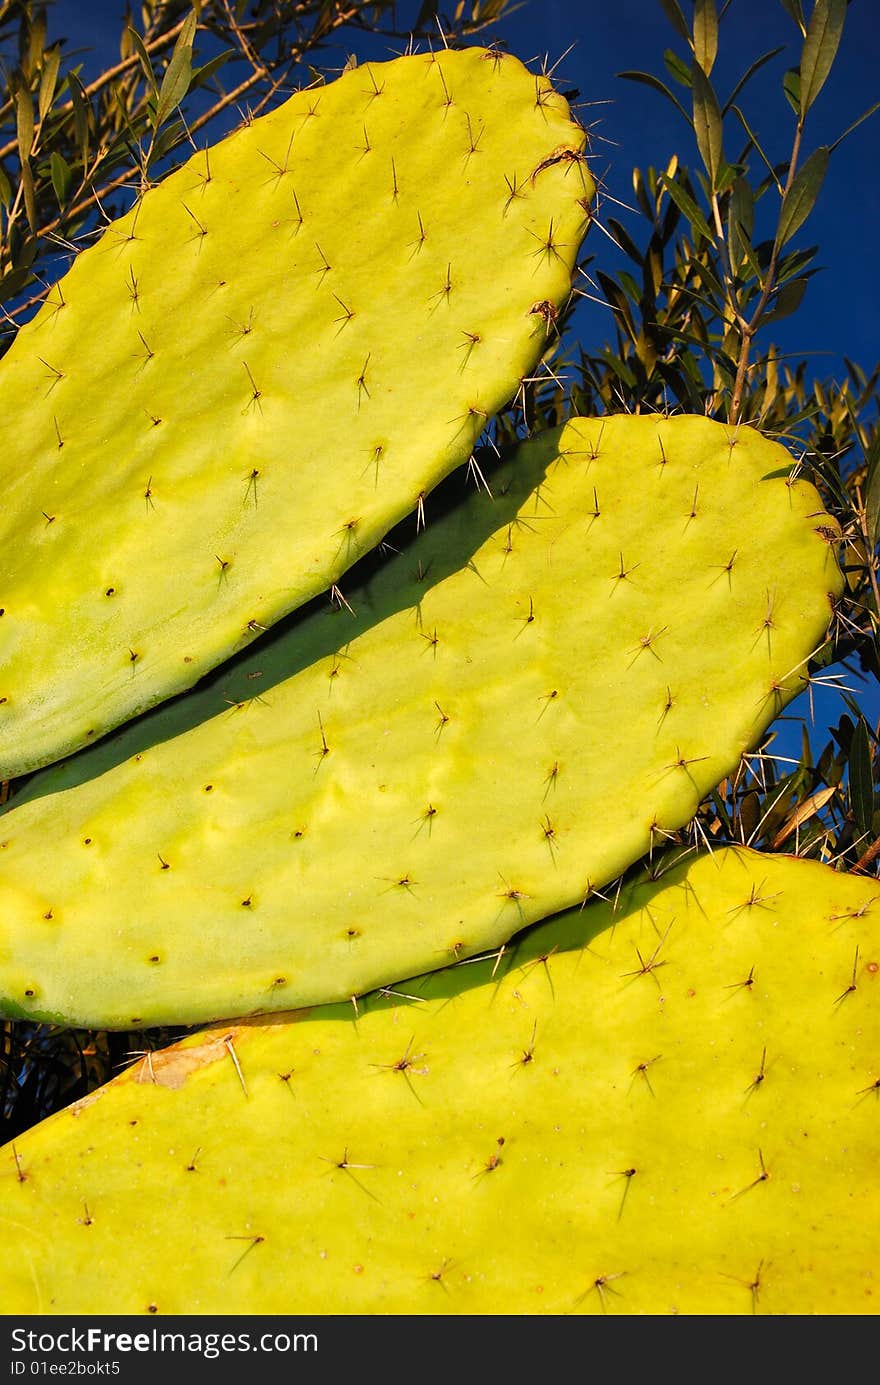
820, 48
671, 218
857, 377
855, 125
748, 74
806, 747
622, 238
688, 207
708, 278
791, 86
170, 136
795, 10
795, 263
673, 13
621, 370
641, 192
750, 259
741, 219
12, 283
677, 68
81, 114
48, 81
24, 123
175, 83
187, 36
861, 779
62, 177
801, 197
705, 34
707, 123
618, 301
202, 75
144, 56
764, 253
630, 287
726, 177
753, 140
775, 806
5, 189
649, 80
721, 812
786, 301
30, 200
872, 490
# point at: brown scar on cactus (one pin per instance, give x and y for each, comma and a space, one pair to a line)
564, 153
172, 1067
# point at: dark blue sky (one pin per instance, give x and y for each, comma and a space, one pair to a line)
589, 42
839, 316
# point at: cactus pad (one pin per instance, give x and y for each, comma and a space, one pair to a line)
517, 709
260, 368
667, 1107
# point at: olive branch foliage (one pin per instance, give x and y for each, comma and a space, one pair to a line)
692, 330
713, 254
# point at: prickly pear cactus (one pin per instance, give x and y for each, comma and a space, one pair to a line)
520, 707
261, 368
667, 1107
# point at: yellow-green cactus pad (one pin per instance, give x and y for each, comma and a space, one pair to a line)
519, 707
264, 365
670, 1107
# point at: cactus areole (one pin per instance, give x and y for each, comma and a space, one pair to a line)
261, 367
